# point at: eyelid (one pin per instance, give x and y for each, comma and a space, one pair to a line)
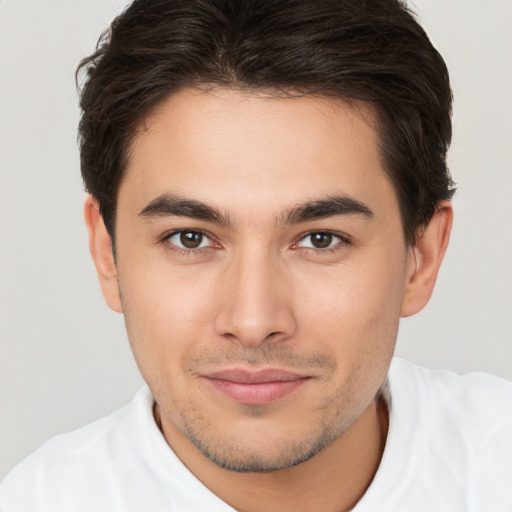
343, 240
166, 239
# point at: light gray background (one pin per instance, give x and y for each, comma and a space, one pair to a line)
64, 357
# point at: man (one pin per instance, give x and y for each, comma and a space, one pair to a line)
269, 195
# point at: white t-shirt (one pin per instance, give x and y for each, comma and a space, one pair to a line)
449, 449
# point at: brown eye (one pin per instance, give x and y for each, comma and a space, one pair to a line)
189, 239
321, 240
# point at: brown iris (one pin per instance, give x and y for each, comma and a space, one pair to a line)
321, 240
191, 239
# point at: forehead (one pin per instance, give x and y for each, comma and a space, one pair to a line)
236, 148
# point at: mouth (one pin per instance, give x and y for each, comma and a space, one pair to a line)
255, 387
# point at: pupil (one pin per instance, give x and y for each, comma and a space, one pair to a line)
321, 240
191, 239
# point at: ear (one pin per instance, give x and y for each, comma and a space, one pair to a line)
100, 246
426, 257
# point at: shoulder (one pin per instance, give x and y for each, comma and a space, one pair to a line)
457, 433
74, 462
471, 396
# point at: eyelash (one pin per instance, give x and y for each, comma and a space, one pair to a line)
343, 241
182, 251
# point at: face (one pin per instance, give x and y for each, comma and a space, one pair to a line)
262, 268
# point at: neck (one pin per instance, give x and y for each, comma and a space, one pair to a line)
334, 479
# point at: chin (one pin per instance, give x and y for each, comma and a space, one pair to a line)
263, 455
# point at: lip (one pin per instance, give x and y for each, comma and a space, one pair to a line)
255, 387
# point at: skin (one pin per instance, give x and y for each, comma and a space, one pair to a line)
258, 294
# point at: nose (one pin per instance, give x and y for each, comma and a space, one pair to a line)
255, 303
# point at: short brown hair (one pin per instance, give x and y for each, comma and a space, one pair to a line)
372, 51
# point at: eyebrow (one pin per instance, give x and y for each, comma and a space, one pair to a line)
325, 208
168, 205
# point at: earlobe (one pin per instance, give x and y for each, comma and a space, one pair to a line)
425, 259
100, 246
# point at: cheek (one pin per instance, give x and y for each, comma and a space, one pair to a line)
166, 313
354, 309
